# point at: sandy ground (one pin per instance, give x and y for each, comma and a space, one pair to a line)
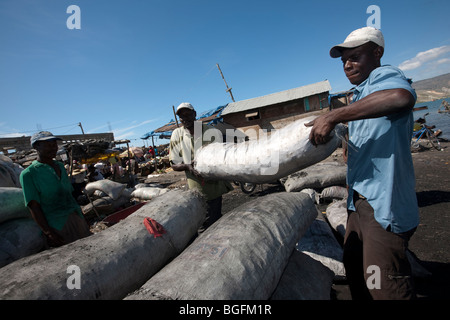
431, 241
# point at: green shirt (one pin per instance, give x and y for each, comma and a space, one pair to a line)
41, 183
182, 150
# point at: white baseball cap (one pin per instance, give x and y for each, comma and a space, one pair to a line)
185, 105
357, 38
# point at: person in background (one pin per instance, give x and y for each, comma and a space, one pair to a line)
114, 168
382, 203
151, 152
47, 193
94, 174
182, 155
445, 106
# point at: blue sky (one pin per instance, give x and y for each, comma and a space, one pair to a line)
133, 60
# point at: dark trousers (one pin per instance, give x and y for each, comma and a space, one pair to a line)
75, 228
375, 259
213, 213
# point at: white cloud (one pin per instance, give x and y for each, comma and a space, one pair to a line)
424, 57
132, 126
14, 135
128, 132
442, 61
122, 132
8, 132
125, 135
106, 126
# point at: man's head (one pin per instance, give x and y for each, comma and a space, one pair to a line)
45, 143
360, 53
187, 114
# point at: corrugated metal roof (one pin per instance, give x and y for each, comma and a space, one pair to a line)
278, 97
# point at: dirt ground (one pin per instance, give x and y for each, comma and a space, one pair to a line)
431, 241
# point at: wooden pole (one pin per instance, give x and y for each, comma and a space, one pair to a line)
71, 163
154, 150
228, 89
79, 124
90, 201
130, 176
175, 115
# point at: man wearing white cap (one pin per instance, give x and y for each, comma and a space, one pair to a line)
183, 144
382, 203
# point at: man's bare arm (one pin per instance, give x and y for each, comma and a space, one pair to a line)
377, 104
186, 167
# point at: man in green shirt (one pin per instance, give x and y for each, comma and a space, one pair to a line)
48, 194
183, 144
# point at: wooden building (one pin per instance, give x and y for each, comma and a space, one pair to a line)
276, 110
340, 99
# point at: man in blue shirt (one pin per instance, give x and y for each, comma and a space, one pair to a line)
382, 203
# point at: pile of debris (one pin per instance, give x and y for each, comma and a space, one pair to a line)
87, 150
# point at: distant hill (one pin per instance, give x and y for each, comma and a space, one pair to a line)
432, 88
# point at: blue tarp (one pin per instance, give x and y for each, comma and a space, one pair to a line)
211, 112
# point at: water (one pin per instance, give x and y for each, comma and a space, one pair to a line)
440, 120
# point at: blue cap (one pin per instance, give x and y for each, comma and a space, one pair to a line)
43, 136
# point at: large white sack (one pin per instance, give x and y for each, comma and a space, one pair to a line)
320, 175
312, 193
333, 193
147, 185
19, 238
105, 205
111, 188
12, 204
266, 159
304, 279
241, 256
113, 262
6, 178
336, 214
9, 172
148, 193
320, 244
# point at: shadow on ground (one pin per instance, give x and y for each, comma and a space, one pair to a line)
428, 198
